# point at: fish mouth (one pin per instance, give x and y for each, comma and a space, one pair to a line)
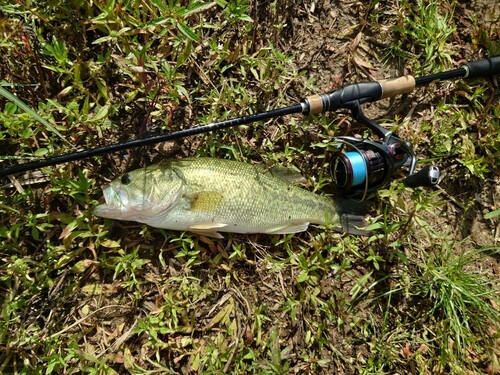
115, 206
120, 206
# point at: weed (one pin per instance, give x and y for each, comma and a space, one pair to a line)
16, 102
459, 300
426, 32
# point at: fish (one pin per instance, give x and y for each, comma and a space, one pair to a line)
210, 195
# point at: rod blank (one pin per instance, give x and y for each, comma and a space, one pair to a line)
150, 140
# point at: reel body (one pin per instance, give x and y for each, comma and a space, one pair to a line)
361, 166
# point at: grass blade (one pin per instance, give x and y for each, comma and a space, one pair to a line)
14, 99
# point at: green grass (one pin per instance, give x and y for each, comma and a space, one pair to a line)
82, 294
426, 29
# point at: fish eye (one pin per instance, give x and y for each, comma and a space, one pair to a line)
125, 179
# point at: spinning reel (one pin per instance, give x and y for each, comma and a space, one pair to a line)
361, 166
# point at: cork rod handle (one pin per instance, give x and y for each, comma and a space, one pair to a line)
397, 86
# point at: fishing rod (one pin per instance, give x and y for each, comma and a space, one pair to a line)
360, 165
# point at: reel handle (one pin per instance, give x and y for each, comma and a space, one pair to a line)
426, 177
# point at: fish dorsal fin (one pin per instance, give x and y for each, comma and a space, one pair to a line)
291, 175
205, 201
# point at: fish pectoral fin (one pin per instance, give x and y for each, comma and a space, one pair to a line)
207, 229
290, 228
205, 201
207, 233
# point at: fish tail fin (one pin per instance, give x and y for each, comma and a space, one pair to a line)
352, 216
353, 224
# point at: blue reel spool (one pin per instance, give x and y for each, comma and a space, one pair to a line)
357, 168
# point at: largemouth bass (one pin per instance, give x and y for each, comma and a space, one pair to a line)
208, 196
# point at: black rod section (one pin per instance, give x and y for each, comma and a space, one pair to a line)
485, 68
151, 140
451, 74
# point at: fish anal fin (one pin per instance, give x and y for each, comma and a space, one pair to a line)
290, 228
205, 201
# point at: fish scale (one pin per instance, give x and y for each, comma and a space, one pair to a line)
252, 194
